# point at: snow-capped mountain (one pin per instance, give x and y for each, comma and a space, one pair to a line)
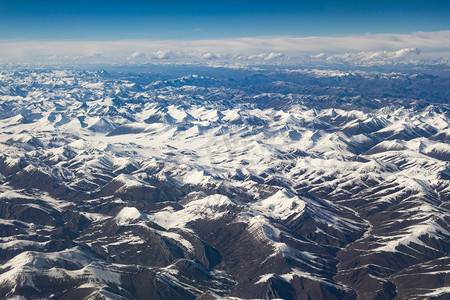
230, 183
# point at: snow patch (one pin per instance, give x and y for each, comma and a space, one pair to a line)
129, 215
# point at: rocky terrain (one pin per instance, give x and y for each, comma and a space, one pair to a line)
210, 183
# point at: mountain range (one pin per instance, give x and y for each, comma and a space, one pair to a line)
195, 182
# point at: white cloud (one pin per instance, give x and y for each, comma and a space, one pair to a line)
163, 54
380, 45
272, 56
137, 54
407, 51
409, 55
210, 55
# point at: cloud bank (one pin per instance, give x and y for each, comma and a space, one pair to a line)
368, 47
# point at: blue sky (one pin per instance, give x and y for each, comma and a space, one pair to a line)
115, 20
